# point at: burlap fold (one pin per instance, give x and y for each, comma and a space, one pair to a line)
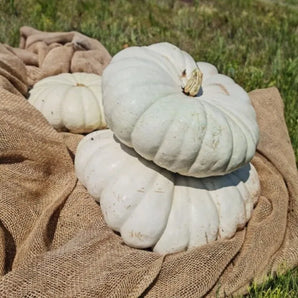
53, 239
50, 53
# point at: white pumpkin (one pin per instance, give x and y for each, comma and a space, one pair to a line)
183, 116
70, 101
152, 207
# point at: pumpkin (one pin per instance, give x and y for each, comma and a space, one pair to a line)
70, 101
182, 115
153, 207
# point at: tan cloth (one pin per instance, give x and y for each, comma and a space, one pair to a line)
50, 53
54, 242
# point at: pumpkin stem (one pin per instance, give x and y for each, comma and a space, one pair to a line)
80, 85
194, 83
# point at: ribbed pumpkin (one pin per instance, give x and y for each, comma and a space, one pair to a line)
182, 115
152, 207
70, 101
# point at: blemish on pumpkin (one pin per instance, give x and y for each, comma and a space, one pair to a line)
206, 237
80, 85
184, 73
215, 143
137, 235
223, 88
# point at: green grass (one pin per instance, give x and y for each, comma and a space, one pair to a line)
254, 42
281, 286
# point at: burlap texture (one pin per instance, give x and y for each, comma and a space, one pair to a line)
50, 53
53, 240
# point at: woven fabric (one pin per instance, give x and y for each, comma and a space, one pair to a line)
53, 239
50, 53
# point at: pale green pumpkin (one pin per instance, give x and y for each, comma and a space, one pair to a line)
70, 101
182, 115
153, 207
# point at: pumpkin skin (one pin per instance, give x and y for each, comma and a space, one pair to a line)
70, 101
153, 207
210, 134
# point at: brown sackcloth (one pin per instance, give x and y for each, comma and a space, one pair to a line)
53, 240
50, 53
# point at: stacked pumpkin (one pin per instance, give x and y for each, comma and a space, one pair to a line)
173, 172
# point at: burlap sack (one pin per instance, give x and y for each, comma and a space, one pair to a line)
50, 53
54, 242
